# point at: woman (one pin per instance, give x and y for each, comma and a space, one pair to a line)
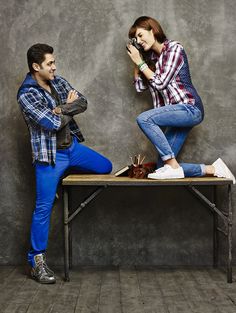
163, 69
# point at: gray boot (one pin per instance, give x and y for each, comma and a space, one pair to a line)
40, 271
48, 270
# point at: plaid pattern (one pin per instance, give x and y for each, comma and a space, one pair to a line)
37, 105
166, 85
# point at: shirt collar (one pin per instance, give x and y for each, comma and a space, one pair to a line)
155, 56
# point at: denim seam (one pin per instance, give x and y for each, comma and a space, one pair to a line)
168, 157
148, 122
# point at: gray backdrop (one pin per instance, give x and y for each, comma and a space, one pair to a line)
124, 225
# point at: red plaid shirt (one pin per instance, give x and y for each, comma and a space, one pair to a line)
169, 84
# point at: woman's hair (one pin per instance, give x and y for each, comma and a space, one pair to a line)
36, 54
148, 23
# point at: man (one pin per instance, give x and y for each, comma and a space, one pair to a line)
48, 103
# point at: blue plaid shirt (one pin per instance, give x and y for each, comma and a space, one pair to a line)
37, 105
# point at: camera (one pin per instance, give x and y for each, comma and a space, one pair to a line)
145, 54
133, 41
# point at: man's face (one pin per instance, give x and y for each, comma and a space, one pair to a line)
46, 70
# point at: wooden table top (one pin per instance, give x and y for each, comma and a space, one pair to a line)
112, 180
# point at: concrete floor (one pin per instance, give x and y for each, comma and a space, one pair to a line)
119, 290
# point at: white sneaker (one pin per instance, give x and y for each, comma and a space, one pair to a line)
167, 172
222, 170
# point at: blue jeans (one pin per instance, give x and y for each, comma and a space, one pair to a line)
167, 128
78, 156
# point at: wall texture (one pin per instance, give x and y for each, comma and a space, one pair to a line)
123, 226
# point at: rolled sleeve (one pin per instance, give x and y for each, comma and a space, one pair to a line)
139, 85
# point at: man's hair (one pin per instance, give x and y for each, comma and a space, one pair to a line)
148, 23
36, 54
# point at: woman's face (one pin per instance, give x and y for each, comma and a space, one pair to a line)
145, 38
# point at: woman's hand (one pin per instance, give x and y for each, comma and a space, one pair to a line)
134, 54
137, 59
72, 96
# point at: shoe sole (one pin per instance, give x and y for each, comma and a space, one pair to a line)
164, 177
43, 282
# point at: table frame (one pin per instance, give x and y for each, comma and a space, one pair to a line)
104, 181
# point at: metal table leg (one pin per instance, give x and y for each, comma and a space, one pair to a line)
70, 245
66, 234
215, 231
68, 218
227, 219
230, 224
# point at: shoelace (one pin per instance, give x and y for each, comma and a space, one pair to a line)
161, 169
46, 266
40, 268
